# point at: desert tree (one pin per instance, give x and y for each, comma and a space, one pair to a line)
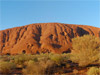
86, 50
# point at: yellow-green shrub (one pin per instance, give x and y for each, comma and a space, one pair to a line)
86, 50
6, 67
38, 68
57, 58
20, 59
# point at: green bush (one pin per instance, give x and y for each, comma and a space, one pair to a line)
86, 50
6, 67
20, 59
93, 71
57, 58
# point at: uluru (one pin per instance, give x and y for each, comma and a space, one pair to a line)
42, 38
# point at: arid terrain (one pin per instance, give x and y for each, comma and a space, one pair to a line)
42, 38
50, 49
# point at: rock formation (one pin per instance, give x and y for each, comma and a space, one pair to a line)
42, 37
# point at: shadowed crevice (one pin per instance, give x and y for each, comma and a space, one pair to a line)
81, 31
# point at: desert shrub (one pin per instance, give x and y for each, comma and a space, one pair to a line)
86, 50
60, 58
93, 71
48, 66
66, 57
43, 57
31, 68
20, 59
57, 58
6, 67
38, 68
5, 58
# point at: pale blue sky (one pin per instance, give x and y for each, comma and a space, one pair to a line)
14, 13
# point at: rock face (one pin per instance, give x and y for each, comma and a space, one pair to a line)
42, 37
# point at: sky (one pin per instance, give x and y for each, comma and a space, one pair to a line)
14, 13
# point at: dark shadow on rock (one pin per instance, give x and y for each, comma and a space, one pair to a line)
67, 51
51, 36
81, 31
56, 45
23, 52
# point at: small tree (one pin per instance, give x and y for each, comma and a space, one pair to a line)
86, 50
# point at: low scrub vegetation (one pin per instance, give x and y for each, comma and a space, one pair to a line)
6, 67
34, 64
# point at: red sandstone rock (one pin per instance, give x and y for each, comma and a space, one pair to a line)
42, 37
